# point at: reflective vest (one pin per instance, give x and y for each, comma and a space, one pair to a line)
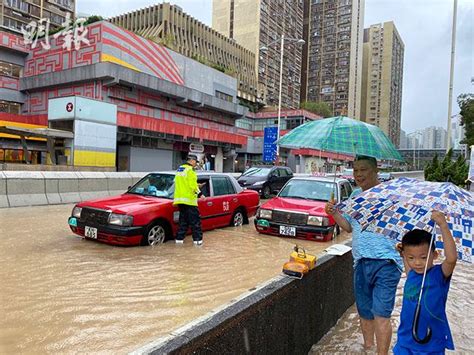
186, 188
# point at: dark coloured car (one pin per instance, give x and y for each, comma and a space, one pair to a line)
265, 179
298, 209
145, 214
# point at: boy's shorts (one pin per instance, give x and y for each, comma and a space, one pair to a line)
400, 350
375, 286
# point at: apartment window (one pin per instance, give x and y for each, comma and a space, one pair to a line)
223, 96
9, 107
8, 69
12, 24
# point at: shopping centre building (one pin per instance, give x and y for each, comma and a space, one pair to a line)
128, 104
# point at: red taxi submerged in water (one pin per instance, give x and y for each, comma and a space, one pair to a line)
298, 210
145, 213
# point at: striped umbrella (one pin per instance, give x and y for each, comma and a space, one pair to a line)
342, 135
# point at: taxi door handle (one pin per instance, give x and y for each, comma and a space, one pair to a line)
209, 203
234, 200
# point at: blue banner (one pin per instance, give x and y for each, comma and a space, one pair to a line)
269, 143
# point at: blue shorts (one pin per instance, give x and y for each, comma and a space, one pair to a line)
375, 286
400, 350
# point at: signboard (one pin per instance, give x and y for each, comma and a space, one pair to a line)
196, 148
269, 143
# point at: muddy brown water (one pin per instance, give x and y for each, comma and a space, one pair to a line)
62, 294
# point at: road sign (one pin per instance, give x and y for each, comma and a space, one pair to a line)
269, 143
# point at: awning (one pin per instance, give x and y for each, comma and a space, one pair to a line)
36, 132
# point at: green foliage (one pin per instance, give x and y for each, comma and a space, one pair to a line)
168, 41
319, 108
221, 68
466, 104
454, 171
92, 19
252, 106
89, 20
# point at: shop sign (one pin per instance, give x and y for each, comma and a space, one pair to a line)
196, 148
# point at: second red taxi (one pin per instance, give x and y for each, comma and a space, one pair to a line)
298, 210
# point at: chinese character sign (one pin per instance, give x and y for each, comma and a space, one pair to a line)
71, 33
269, 143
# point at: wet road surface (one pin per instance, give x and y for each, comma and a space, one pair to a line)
62, 294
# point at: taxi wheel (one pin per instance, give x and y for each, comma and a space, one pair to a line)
238, 219
266, 192
156, 234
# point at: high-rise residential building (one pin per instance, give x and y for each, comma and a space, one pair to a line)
333, 58
14, 14
382, 79
458, 132
170, 26
259, 23
434, 138
403, 139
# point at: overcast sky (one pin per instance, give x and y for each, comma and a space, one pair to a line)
425, 28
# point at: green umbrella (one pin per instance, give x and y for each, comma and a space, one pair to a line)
342, 135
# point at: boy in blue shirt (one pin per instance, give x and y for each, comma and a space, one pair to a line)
416, 252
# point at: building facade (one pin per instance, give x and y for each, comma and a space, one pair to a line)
132, 104
307, 161
403, 140
382, 79
458, 132
170, 26
14, 14
434, 138
333, 56
261, 23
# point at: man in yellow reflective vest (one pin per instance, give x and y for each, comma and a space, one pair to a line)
186, 192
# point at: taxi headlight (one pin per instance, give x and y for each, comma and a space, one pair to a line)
318, 221
76, 212
120, 219
266, 214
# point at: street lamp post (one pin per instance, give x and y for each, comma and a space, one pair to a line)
282, 51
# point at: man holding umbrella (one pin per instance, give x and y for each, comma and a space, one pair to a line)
377, 265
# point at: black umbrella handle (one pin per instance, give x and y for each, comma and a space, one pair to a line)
414, 331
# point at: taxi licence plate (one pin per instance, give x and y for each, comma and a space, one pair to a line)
90, 232
290, 231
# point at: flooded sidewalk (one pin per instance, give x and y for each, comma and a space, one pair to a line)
346, 337
62, 294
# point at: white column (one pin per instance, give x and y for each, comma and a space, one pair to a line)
219, 161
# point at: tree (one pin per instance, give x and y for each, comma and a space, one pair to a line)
454, 171
466, 104
319, 108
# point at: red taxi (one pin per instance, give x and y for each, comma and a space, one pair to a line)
145, 213
298, 210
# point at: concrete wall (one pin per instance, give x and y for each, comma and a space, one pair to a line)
31, 188
284, 316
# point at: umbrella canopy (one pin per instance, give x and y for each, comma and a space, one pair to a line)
342, 135
396, 207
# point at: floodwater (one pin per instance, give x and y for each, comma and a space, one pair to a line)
345, 337
62, 294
